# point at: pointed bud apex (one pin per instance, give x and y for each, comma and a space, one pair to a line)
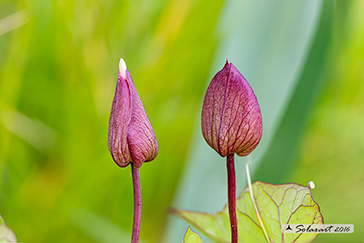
231, 118
122, 68
131, 136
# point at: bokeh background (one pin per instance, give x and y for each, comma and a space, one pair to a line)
58, 64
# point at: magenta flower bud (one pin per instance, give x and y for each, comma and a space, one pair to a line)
131, 138
231, 117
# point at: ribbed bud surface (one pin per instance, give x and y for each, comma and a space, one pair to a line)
231, 119
131, 138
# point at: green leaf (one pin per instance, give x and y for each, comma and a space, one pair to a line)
280, 158
278, 205
6, 234
191, 237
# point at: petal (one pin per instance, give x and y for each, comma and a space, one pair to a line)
212, 109
142, 141
131, 138
241, 123
118, 124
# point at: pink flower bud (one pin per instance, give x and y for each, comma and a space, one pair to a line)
131, 136
231, 118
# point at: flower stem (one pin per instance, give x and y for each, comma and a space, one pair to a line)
232, 197
137, 204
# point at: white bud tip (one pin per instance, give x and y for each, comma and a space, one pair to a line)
122, 68
311, 185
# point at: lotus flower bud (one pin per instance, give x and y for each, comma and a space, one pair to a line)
231, 117
131, 138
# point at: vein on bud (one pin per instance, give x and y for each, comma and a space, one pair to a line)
231, 117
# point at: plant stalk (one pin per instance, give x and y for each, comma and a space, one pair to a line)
253, 200
232, 197
137, 204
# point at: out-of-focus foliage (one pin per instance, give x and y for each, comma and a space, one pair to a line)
332, 150
278, 159
58, 182
58, 64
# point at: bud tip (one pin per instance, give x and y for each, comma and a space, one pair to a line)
122, 68
226, 63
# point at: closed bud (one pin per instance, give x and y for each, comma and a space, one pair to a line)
131, 138
231, 118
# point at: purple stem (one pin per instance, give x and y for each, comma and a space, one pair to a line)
137, 204
232, 197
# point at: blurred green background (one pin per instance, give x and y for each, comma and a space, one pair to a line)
58, 64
